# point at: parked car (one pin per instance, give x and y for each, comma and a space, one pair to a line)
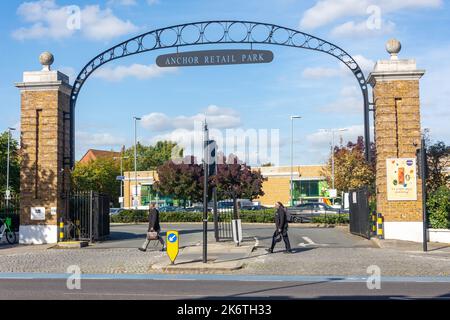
196, 209
305, 212
170, 209
114, 211
254, 208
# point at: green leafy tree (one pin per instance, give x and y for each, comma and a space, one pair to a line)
183, 181
438, 160
14, 166
351, 169
99, 175
151, 157
438, 206
237, 180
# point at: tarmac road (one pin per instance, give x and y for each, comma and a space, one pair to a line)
192, 287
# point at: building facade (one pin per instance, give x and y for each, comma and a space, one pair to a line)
309, 186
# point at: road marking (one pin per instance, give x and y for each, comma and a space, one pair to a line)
308, 240
256, 241
219, 277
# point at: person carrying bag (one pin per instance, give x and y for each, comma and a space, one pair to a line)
281, 224
154, 229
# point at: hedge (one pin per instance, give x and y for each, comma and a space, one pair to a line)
260, 216
139, 216
332, 219
438, 206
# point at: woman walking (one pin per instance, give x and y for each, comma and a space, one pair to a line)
154, 228
281, 225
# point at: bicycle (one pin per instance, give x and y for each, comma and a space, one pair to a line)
5, 229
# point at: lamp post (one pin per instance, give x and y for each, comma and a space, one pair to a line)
333, 131
121, 174
136, 119
8, 192
292, 158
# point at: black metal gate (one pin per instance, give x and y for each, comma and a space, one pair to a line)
87, 216
224, 211
11, 210
360, 220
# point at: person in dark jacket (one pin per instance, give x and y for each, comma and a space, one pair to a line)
153, 226
281, 223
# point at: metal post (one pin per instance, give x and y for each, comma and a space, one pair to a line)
205, 193
423, 160
216, 217
8, 194
292, 159
136, 119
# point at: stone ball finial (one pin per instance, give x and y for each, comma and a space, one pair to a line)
46, 59
393, 47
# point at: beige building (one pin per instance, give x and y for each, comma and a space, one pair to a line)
309, 185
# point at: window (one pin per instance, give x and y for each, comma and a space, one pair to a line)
309, 188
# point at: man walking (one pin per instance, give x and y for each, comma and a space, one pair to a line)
154, 228
281, 225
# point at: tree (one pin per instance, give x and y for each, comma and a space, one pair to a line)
237, 180
14, 166
98, 175
150, 157
351, 168
438, 160
438, 206
182, 181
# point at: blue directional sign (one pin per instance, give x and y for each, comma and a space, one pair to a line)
120, 178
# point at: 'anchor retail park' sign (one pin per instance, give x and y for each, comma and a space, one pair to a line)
214, 58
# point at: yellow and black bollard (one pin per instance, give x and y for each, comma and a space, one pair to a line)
61, 230
380, 225
374, 223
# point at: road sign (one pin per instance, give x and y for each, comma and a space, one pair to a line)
120, 178
332, 193
214, 58
172, 245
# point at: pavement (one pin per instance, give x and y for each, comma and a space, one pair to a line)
318, 251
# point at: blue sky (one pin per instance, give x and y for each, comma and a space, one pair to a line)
310, 84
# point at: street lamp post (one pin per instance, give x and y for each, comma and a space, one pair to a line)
333, 131
136, 119
121, 174
292, 159
8, 192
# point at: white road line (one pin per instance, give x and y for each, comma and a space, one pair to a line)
256, 241
308, 240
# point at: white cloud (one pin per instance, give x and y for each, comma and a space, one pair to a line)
364, 63
321, 73
354, 29
138, 71
217, 117
50, 20
325, 12
122, 3
350, 101
98, 139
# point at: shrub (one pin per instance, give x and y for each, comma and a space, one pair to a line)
141, 216
332, 219
438, 206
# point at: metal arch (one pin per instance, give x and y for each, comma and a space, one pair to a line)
219, 32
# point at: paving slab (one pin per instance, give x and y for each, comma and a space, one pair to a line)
222, 257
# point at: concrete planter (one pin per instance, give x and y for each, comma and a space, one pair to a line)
439, 235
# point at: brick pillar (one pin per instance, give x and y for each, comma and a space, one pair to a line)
45, 146
395, 85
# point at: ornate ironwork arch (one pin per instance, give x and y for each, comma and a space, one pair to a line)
219, 32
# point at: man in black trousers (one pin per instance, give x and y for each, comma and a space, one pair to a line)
153, 227
281, 224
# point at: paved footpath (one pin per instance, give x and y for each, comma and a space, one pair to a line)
318, 251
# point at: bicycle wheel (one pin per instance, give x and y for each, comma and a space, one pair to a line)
11, 237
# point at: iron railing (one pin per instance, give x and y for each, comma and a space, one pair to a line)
360, 217
11, 209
